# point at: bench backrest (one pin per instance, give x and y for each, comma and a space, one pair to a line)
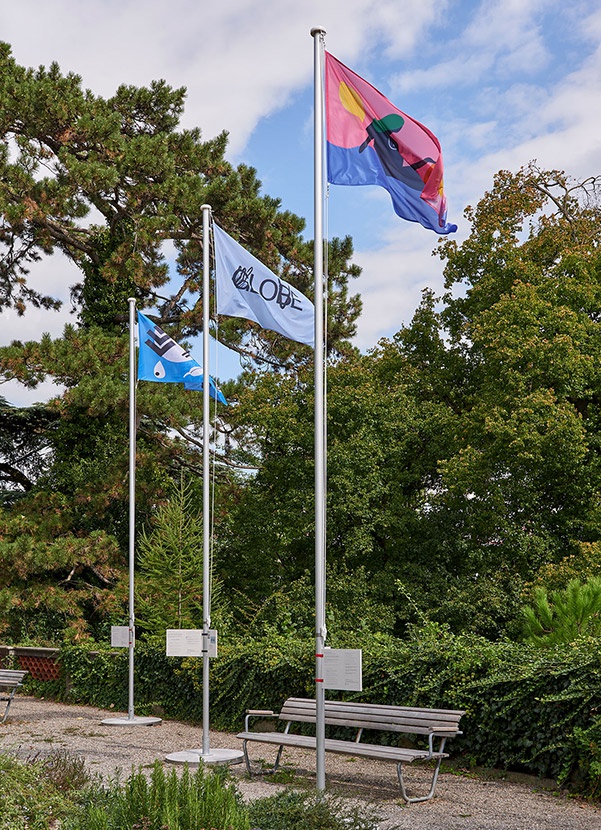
11, 677
373, 716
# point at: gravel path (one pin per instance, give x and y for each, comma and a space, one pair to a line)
38, 727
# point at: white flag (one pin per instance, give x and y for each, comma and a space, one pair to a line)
247, 288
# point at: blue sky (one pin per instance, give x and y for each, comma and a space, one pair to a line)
500, 83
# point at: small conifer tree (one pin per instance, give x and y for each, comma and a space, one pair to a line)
564, 616
170, 566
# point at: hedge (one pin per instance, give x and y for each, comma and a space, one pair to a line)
530, 710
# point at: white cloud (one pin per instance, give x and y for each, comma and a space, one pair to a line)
518, 81
239, 60
393, 279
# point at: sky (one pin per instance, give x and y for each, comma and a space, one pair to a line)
500, 84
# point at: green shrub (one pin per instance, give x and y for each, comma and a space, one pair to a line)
290, 810
34, 795
178, 802
587, 748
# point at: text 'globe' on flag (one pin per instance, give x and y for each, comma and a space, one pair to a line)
247, 288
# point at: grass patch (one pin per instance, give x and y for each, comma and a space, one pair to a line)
39, 794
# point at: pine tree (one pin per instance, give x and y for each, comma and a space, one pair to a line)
564, 616
170, 567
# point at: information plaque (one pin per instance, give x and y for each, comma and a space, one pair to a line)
119, 636
187, 642
184, 642
342, 669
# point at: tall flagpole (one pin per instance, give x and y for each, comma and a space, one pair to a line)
131, 719
320, 559
206, 755
132, 500
206, 607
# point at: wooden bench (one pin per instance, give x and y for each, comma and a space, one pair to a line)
434, 725
10, 680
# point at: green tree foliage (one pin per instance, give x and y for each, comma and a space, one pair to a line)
512, 354
51, 581
563, 616
107, 181
374, 474
169, 573
23, 445
463, 453
169, 581
115, 187
584, 563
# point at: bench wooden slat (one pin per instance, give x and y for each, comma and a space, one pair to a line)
418, 725
299, 705
11, 677
309, 704
375, 751
370, 716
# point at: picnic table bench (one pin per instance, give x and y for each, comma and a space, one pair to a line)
435, 725
10, 680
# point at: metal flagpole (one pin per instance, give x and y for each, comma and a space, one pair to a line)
131, 720
320, 624
206, 755
132, 498
206, 608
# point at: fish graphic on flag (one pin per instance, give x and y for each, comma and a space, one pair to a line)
370, 141
162, 360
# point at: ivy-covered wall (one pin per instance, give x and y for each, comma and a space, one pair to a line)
526, 709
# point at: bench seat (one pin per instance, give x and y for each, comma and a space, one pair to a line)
375, 751
10, 680
433, 724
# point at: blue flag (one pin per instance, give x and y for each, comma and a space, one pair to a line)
247, 288
162, 360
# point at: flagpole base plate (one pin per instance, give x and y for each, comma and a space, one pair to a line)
135, 721
214, 756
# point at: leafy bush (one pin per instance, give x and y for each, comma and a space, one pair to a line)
43, 792
587, 747
34, 796
290, 810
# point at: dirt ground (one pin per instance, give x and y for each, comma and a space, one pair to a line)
463, 801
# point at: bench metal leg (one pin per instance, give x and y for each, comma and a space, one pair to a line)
8, 701
247, 759
399, 769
